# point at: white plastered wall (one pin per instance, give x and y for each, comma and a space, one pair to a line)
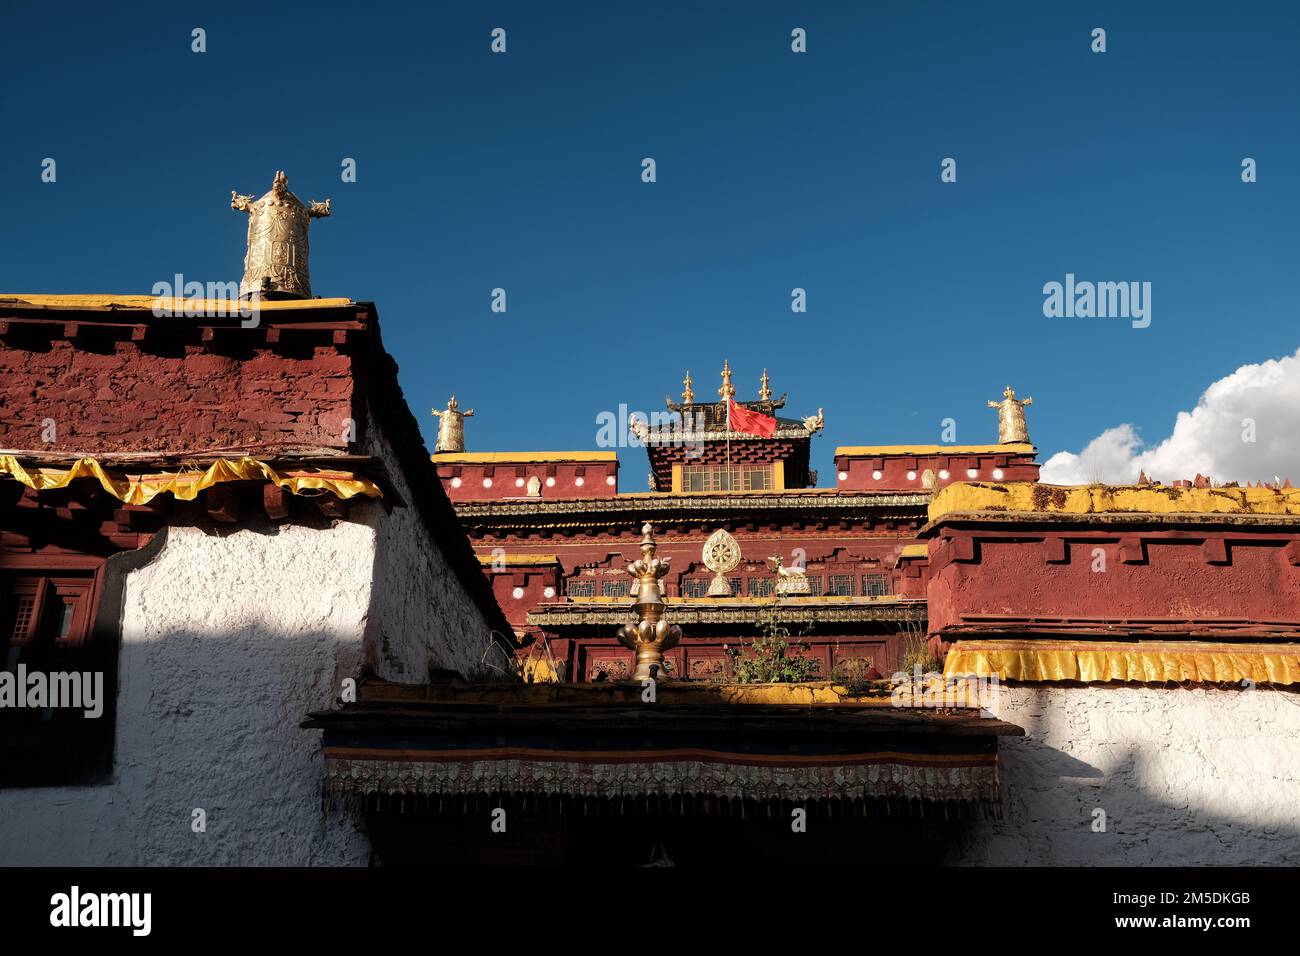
228, 640
1185, 776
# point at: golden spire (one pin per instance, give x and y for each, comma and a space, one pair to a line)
688, 393
764, 392
728, 390
652, 634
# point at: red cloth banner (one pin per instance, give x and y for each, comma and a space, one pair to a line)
742, 419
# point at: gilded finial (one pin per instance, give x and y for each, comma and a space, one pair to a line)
727, 390
1011, 417
688, 393
275, 265
651, 635
451, 427
764, 392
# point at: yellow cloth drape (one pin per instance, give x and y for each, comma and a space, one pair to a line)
186, 485
1144, 662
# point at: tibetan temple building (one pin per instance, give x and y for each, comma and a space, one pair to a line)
316, 642
750, 536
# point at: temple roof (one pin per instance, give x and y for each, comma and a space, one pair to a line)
707, 421
195, 404
713, 415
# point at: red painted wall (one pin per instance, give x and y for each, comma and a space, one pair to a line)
560, 479
532, 584
129, 399
859, 472
1149, 575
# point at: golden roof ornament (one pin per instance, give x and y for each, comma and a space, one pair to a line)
764, 390
275, 266
688, 393
451, 427
727, 390
721, 555
650, 636
1011, 417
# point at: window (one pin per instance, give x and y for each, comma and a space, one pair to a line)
875, 585
695, 587
613, 589
47, 617
761, 587
722, 478
840, 585
46, 625
814, 584
576, 588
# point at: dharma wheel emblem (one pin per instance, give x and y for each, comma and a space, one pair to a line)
721, 556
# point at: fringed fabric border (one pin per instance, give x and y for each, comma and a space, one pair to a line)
1132, 662
976, 781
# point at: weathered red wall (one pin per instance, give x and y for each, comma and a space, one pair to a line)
894, 469
131, 399
533, 581
1150, 576
464, 481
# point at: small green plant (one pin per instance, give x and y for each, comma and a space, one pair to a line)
772, 657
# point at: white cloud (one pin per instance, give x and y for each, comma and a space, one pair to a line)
1213, 438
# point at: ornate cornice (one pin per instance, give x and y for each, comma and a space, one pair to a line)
792, 611
629, 507
666, 436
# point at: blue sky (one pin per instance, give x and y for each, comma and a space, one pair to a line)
775, 171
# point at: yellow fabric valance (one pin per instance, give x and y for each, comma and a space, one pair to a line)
1133, 662
186, 485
